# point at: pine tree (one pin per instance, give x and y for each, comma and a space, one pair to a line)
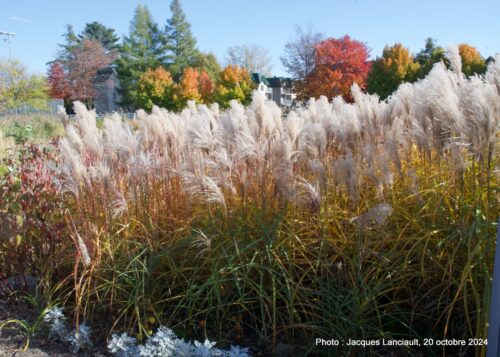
71, 42
429, 56
141, 50
97, 31
181, 43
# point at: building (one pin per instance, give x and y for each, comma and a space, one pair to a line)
278, 89
107, 90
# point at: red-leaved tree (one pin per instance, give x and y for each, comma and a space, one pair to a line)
58, 83
339, 63
87, 58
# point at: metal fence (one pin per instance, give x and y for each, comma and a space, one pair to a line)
49, 107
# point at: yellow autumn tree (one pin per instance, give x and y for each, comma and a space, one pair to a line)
233, 83
396, 66
155, 87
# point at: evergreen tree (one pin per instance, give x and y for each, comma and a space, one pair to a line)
206, 62
181, 43
430, 55
104, 35
141, 50
71, 42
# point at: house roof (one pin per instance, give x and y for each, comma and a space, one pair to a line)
259, 78
278, 82
273, 82
104, 74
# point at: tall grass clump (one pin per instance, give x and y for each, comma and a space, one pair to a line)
364, 220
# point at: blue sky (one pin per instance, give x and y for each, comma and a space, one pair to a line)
218, 24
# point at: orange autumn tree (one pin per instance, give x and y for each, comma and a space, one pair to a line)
206, 85
194, 85
472, 61
189, 85
155, 87
339, 63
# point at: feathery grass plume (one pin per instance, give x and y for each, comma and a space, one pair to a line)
374, 217
349, 126
62, 115
119, 206
84, 252
492, 75
72, 164
100, 171
90, 134
294, 124
120, 139
312, 141
202, 242
249, 147
74, 138
266, 114
382, 164
203, 188
436, 104
453, 55
345, 173
369, 111
399, 105
200, 133
414, 187
309, 194
477, 128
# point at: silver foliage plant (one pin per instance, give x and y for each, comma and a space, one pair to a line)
79, 338
165, 343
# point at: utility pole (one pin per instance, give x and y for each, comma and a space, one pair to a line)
8, 36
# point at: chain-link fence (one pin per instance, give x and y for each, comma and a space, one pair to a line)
48, 108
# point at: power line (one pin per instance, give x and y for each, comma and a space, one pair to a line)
8, 36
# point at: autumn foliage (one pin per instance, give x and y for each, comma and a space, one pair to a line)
156, 87
339, 63
58, 83
397, 65
472, 61
75, 78
234, 83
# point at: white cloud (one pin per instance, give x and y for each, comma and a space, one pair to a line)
17, 18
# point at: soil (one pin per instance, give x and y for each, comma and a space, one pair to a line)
12, 340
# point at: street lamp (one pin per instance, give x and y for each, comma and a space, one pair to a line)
8, 36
